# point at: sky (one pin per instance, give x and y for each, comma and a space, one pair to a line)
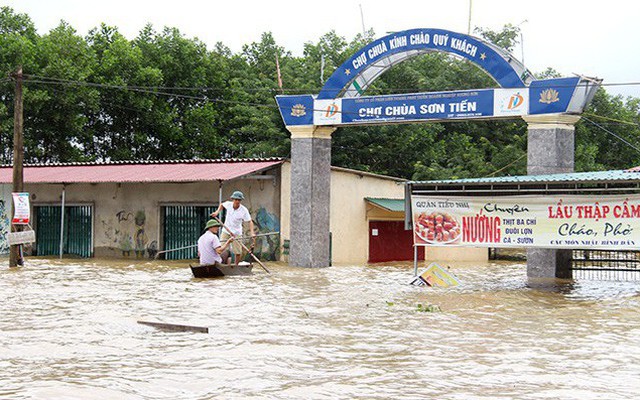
574, 37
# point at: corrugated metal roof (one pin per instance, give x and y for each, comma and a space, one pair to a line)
575, 177
394, 205
142, 171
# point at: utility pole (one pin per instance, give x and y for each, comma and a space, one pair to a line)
522, 40
364, 31
469, 22
18, 157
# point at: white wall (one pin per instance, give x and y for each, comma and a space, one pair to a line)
349, 220
349, 223
348, 214
118, 208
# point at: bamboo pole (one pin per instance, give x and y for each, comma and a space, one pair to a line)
195, 245
243, 246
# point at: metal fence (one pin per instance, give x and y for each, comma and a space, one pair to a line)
617, 265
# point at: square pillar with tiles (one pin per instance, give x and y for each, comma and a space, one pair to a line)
550, 150
310, 196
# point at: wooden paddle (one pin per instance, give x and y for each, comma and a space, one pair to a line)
243, 245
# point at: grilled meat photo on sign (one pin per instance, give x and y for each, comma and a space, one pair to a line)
437, 227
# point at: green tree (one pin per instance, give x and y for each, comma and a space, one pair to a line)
18, 42
505, 38
165, 96
126, 120
612, 143
57, 114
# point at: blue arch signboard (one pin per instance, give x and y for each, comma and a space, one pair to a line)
340, 102
355, 74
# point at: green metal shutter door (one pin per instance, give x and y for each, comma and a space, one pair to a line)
183, 226
78, 239
77, 230
47, 230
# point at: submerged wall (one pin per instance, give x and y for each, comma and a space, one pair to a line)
348, 213
350, 217
127, 217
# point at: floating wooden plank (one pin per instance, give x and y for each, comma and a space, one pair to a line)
175, 327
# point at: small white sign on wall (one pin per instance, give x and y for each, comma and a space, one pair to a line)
374, 232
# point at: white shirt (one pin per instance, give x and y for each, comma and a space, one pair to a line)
235, 217
207, 245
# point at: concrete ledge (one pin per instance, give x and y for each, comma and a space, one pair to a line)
551, 121
311, 132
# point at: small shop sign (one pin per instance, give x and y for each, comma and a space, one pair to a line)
22, 213
23, 237
571, 221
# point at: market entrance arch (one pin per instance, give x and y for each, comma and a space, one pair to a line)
355, 75
550, 107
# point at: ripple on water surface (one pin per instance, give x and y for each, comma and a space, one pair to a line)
68, 330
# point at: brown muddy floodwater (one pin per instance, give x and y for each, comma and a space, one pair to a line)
68, 330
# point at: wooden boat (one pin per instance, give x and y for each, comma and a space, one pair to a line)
217, 270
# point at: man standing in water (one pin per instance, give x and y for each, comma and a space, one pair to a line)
236, 215
209, 247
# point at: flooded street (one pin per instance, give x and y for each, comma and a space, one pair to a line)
68, 330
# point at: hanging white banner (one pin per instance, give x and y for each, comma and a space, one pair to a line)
22, 213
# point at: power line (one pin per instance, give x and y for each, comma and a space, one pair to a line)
507, 166
618, 121
148, 90
35, 78
274, 90
613, 134
154, 92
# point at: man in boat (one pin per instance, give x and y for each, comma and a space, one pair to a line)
209, 246
236, 215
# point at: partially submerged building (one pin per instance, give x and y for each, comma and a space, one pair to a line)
553, 262
135, 209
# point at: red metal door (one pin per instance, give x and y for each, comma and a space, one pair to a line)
388, 241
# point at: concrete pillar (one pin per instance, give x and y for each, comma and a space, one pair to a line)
550, 150
310, 196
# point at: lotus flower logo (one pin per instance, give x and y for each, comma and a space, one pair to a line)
298, 110
549, 96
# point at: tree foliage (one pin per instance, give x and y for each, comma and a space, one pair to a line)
162, 95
